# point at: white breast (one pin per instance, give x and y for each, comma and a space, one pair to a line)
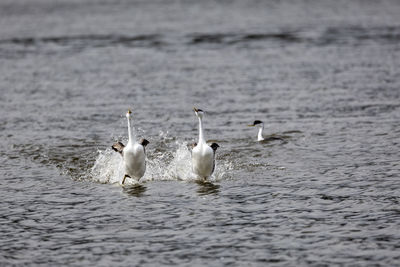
135, 160
203, 160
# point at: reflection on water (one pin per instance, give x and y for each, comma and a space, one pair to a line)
207, 188
136, 190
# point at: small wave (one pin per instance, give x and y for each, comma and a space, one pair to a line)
88, 40
15, 47
234, 38
358, 34
333, 35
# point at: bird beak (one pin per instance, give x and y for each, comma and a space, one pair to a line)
129, 111
251, 125
195, 110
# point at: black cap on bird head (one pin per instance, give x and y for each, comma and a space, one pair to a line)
256, 122
197, 110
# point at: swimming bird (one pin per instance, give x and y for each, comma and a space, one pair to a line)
260, 137
260, 125
133, 154
203, 156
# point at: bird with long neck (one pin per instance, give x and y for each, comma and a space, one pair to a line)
260, 126
133, 154
203, 156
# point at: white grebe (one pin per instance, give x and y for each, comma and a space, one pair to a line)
203, 156
260, 125
265, 139
133, 154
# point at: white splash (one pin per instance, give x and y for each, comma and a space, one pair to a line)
161, 165
108, 168
180, 168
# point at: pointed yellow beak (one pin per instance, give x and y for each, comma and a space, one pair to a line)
195, 109
251, 125
129, 111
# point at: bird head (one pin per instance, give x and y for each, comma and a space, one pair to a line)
199, 113
128, 113
256, 123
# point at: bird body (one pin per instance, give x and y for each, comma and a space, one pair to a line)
133, 154
134, 160
203, 156
260, 135
203, 160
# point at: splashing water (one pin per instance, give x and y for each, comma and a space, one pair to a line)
180, 167
161, 165
108, 167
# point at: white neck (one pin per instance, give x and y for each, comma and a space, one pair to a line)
260, 130
201, 132
130, 130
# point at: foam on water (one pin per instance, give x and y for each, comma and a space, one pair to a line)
161, 165
108, 167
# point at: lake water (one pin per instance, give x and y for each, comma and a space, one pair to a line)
322, 75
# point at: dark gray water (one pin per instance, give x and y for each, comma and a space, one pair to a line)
322, 75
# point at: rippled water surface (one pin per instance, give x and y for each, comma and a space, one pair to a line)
322, 75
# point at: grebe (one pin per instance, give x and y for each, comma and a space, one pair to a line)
133, 154
260, 125
203, 156
266, 139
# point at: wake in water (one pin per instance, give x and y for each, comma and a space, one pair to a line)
162, 164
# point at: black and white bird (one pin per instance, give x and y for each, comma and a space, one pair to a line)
203, 155
261, 137
260, 126
133, 154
